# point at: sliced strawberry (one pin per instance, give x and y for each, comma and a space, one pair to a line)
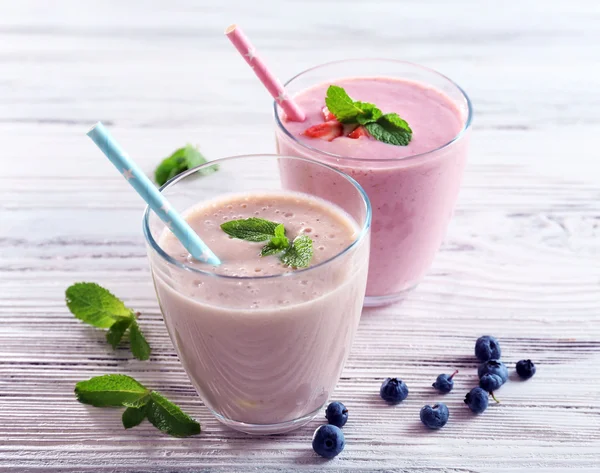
327, 115
325, 131
358, 132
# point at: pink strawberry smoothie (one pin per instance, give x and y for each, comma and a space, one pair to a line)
413, 194
263, 343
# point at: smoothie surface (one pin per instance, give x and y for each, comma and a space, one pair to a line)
434, 119
329, 227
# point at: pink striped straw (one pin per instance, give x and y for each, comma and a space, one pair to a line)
245, 48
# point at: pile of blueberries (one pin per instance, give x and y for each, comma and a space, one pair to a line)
328, 440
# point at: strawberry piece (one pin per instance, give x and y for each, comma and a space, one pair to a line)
358, 132
327, 115
326, 131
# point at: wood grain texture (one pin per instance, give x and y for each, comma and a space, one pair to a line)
521, 259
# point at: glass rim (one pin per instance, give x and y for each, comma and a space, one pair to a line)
459, 135
364, 228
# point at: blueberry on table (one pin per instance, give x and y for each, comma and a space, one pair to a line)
444, 382
525, 369
393, 390
328, 441
493, 367
490, 382
477, 400
487, 348
336, 414
434, 417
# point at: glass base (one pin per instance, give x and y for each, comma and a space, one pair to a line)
267, 429
379, 301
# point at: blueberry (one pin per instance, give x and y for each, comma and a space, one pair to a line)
525, 369
477, 400
328, 441
435, 417
493, 367
336, 414
487, 348
444, 383
490, 382
393, 390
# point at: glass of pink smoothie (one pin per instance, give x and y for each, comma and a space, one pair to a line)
413, 189
264, 344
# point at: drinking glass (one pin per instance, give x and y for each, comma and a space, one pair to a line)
413, 197
263, 352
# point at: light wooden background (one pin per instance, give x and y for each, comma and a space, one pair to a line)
521, 260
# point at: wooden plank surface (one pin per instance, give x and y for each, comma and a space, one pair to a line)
521, 259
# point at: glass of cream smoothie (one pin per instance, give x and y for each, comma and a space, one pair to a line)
262, 341
413, 189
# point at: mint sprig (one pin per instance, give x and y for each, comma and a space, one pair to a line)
250, 229
118, 390
299, 253
388, 128
181, 160
296, 255
278, 242
97, 306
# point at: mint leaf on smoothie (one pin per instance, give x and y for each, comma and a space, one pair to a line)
347, 110
296, 255
97, 306
250, 229
278, 243
391, 129
369, 121
181, 160
118, 390
299, 253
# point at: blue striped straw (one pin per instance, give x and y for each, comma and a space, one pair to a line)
148, 191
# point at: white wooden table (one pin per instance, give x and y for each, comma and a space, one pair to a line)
521, 260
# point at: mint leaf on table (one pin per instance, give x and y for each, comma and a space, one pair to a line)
111, 390
133, 416
299, 254
167, 417
118, 390
388, 128
181, 160
139, 345
117, 330
97, 306
391, 129
250, 229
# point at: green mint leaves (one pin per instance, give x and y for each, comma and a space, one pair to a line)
111, 390
391, 129
278, 242
96, 306
299, 253
118, 390
250, 229
296, 255
388, 128
181, 160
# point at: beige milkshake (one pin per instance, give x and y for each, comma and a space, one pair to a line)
264, 343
